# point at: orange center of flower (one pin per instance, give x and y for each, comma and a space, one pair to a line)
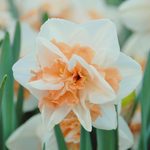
70, 127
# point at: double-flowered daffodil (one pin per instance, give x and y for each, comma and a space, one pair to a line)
78, 68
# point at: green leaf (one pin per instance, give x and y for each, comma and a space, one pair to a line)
16, 42
114, 2
19, 105
13, 9
44, 17
85, 140
2, 88
8, 111
2, 85
44, 147
60, 139
106, 140
145, 105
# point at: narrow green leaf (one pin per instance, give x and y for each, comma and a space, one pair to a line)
44, 17
16, 42
13, 9
2, 88
8, 111
60, 139
114, 2
19, 105
145, 105
106, 140
1, 41
85, 140
44, 147
2, 85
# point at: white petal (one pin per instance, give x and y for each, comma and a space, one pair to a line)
108, 118
99, 91
22, 69
30, 103
83, 113
83, 116
51, 142
51, 116
77, 59
131, 75
138, 46
25, 137
28, 39
136, 14
125, 135
104, 39
48, 52
58, 29
42, 85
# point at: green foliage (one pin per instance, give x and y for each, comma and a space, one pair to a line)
7, 103
2, 85
85, 140
44, 17
13, 9
145, 105
8, 55
106, 140
60, 139
19, 105
16, 42
114, 2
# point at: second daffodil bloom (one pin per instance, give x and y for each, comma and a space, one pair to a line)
78, 68
135, 15
70, 127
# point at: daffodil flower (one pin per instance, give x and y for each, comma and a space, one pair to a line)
31, 11
135, 14
79, 68
33, 135
86, 10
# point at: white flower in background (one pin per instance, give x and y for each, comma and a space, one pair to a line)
125, 135
85, 10
135, 15
33, 135
31, 11
135, 127
6, 20
79, 68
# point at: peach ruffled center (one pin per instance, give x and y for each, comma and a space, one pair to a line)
75, 80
